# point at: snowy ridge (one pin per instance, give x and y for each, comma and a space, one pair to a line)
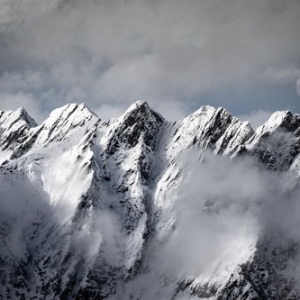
277, 142
14, 126
97, 203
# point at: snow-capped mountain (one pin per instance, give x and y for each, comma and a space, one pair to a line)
142, 208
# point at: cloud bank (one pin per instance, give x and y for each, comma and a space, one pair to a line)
222, 209
243, 55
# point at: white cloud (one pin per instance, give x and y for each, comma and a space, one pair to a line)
222, 208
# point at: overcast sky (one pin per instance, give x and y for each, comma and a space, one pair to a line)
243, 55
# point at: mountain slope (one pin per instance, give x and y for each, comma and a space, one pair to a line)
107, 210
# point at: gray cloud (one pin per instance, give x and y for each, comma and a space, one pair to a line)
174, 54
298, 87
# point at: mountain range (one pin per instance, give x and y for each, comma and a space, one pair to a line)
139, 207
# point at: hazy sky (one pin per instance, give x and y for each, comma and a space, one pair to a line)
243, 55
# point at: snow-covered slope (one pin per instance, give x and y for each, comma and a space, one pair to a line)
98, 210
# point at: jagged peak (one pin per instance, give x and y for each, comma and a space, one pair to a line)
278, 119
72, 113
69, 121
71, 107
137, 104
26, 117
203, 110
9, 117
141, 108
207, 114
209, 110
139, 121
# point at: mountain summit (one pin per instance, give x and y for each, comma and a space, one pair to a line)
92, 209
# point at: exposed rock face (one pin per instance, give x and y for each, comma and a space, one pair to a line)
86, 203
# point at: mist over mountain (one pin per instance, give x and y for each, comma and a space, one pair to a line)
139, 207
